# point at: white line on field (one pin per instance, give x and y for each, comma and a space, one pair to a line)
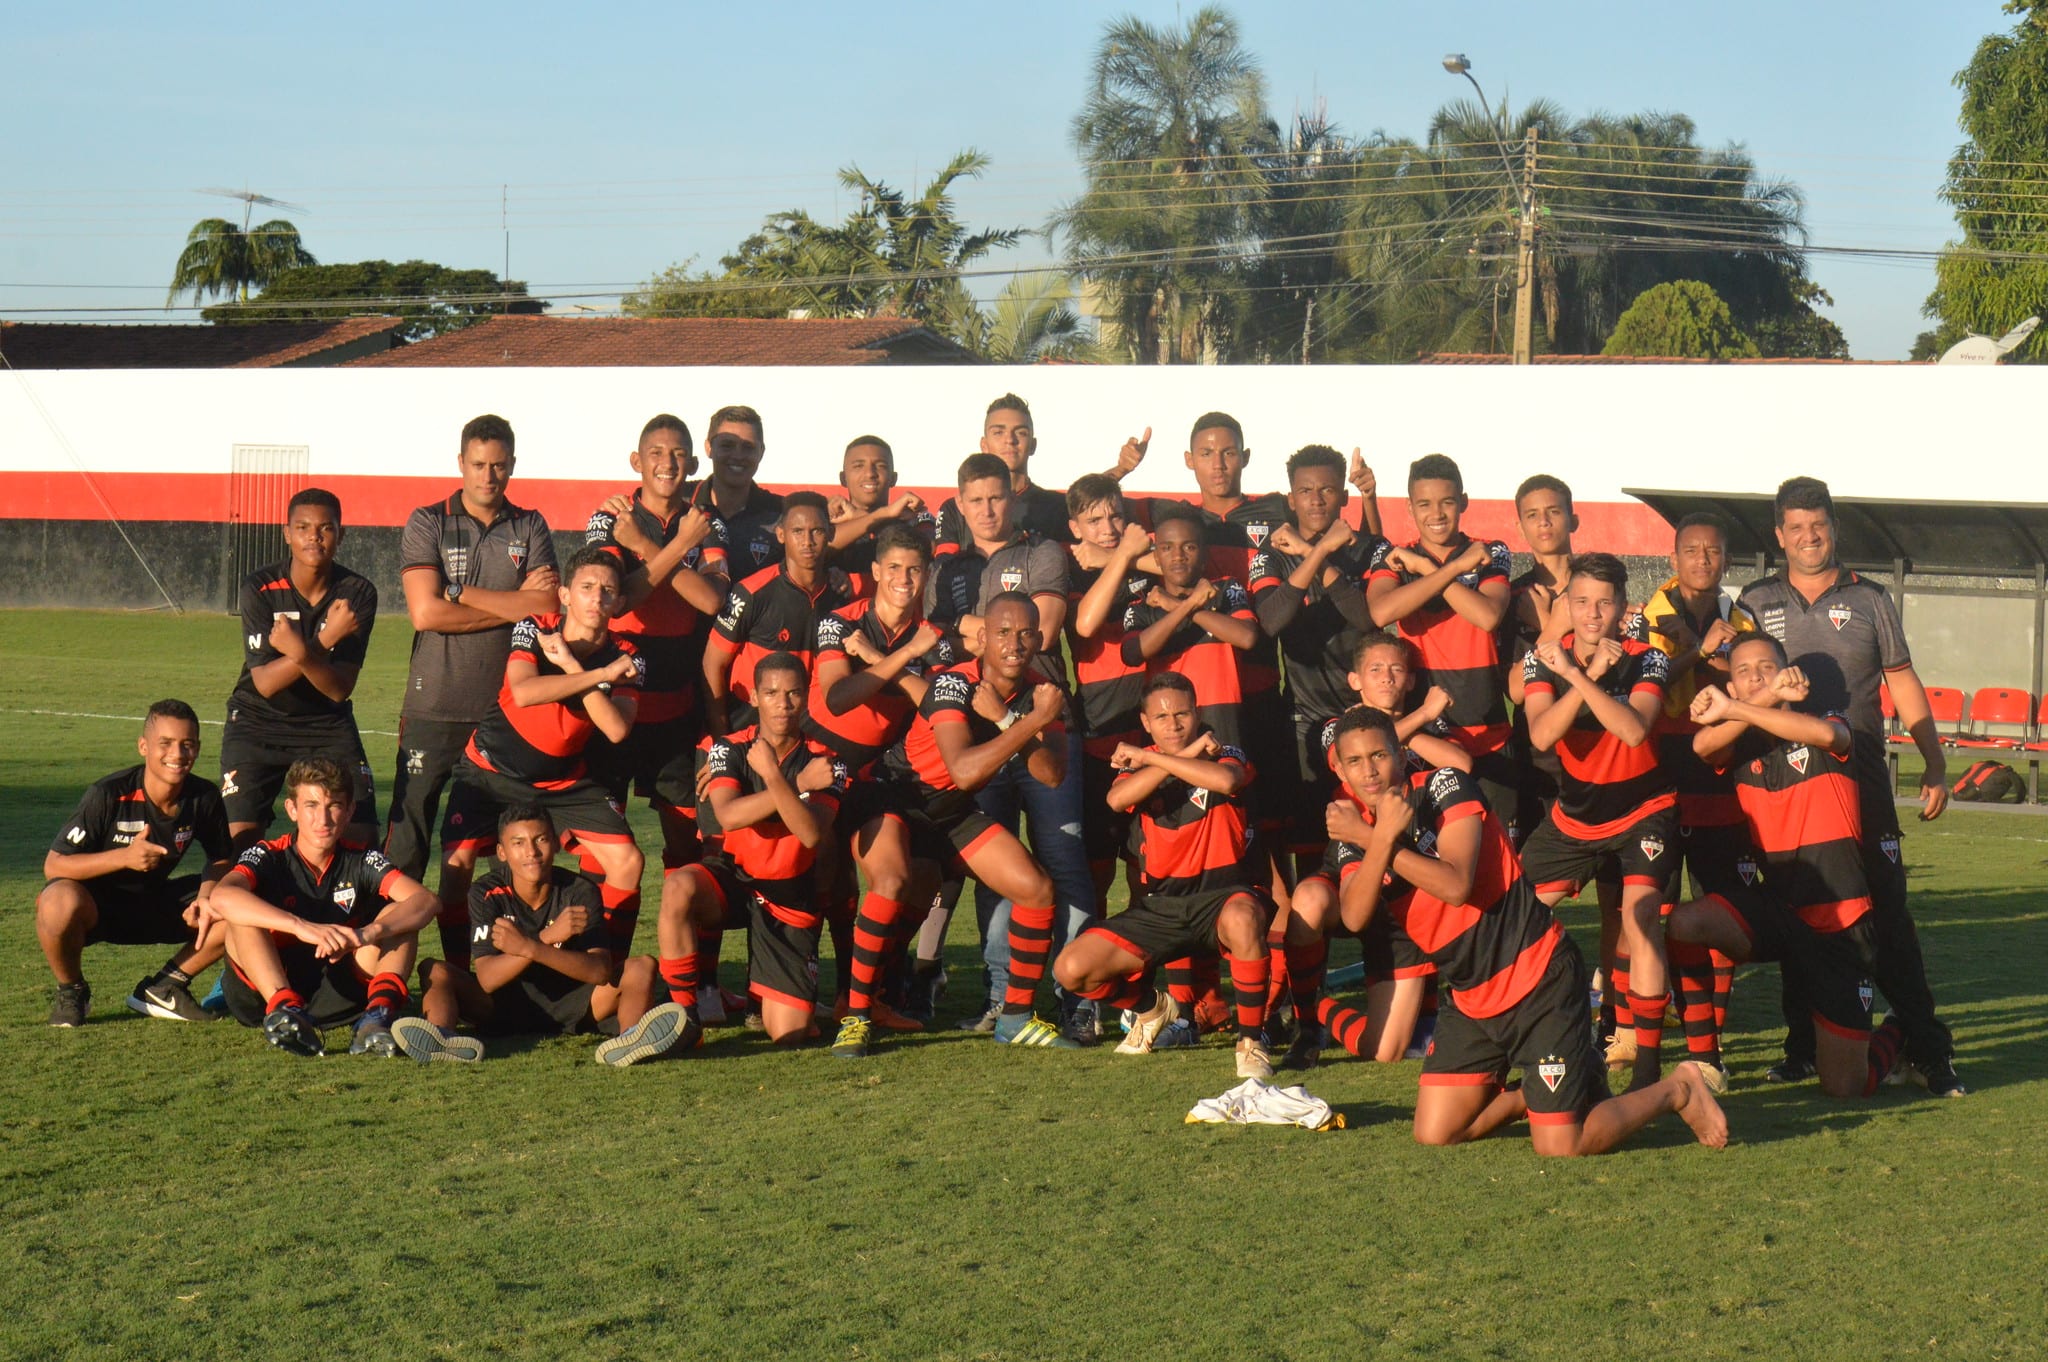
137, 718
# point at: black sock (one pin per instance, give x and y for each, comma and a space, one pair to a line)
171, 974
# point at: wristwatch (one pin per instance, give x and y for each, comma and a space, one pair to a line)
1009, 717
454, 592
603, 688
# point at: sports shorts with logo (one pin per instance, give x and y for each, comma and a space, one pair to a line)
1643, 853
782, 952
1548, 1036
140, 915
335, 991
658, 762
1166, 927
1719, 859
1829, 971
253, 766
479, 796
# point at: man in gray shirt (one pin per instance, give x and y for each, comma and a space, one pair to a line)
473, 566
1844, 633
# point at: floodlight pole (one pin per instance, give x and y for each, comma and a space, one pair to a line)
1525, 231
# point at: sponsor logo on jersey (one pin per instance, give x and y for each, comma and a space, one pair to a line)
1012, 578
1839, 615
479, 935
1773, 622
76, 836
1444, 783
415, 762
1797, 759
227, 783
1653, 847
130, 825
1551, 1070
831, 630
254, 641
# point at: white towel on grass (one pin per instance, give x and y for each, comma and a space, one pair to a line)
1255, 1103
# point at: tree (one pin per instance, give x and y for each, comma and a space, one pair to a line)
1681, 320
434, 298
1032, 320
1169, 138
1997, 182
221, 260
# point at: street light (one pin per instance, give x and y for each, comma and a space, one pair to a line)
1458, 64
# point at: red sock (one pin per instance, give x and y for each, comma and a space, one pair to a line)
1030, 943
386, 990
1694, 973
1617, 989
1649, 1022
1305, 976
1180, 983
1346, 1025
1724, 985
284, 997
621, 917
1884, 1053
870, 940
1248, 979
680, 974
1132, 992
1279, 975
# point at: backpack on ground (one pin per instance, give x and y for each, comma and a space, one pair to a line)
1989, 782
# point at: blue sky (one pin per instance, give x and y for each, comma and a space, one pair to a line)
634, 136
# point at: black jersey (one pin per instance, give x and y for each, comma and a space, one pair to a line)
299, 711
667, 629
769, 613
748, 533
493, 897
1319, 638
349, 891
116, 810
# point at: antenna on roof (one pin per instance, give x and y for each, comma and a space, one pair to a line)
250, 199
1975, 349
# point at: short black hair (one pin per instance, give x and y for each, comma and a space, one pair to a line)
1802, 494
1376, 638
1697, 519
877, 441
1091, 490
667, 422
976, 467
799, 499
895, 535
1436, 468
526, 811
1364, 718
783, 662
1315, 456
1601, 567
1217, 420
1173, 681
1759, 636
1022, 598
169, 709
1167, 512
1543, 482
314, 496
737, 415
591, 555
489, 426
1009, 402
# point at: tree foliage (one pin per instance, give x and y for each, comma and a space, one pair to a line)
1997, 182
434, 298
221, 260
1681, 320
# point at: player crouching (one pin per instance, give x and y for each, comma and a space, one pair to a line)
541, 964
1192, 840
320, 932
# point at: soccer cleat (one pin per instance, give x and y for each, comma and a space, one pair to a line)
1622, 1049
1306, 1051
1142, 1030
889, 1019
1789, 1070
70, 1004
983, 1022
1252, 1059
1084, 1025
373, 1034
1022, 1028
852, 1042
166, 1001
1939, 1078
664, 1028
1178, 1034
1715, 1076
420, 1039
292, 1031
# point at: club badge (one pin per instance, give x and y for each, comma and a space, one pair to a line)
1839, 615
516, 551
1864, 994
761, 549
1013, 579
1199, 797
182, 838
345, 897
1748, 870
1797, 759
1890, 847
1653, 847
1257, 532
1551, 1070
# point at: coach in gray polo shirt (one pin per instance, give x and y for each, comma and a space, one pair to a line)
1844, 633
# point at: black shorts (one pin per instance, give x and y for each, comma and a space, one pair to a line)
479, 796
523, 1008
1166, 927
1719, 859
1390, 953
1105, 833
658, 762
731, 885
1548, 1036
1502, 777
947, 826
1830, 971
335, 991
253, 766
1643, 853
138, 915
1309, 786
782, 957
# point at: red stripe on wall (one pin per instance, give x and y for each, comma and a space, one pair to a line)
1627, 528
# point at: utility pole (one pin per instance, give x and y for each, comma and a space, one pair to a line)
1525, 255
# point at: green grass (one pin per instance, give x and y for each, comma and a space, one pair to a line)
183, 1192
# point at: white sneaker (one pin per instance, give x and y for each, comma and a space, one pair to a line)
420, 1039
1144, 1027
1252, 1059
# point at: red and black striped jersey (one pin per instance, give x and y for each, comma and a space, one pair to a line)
1188, 840
667, 629
774, 861
1493, 948
1456, 653
857, 560
1435, 728
1807, 823
349, 891
1318, 645
1607, 784
949, 699
1109, 691
770, 613
1217, 670
116, 810
299, 709
1229, 541
543, 744
862, 734
493, 896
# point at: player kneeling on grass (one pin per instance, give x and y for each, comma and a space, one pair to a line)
320, 932
110, 872
1515, 985
1812, 910
1193, 844
541, 963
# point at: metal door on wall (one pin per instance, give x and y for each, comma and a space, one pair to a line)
261, 481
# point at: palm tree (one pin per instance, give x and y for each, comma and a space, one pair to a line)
222, 260
1170, 133
1033, 319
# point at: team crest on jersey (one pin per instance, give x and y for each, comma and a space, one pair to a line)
1257, 531
1797, 759
1013, 578
1137, 586
415, 762
1551, 1070
1653, 847
345, 897
1839, 615
182, 839
516, 551
1199, 797
1890, 847
1748, 870
227, 783
761, 549
617, 807
1864, 994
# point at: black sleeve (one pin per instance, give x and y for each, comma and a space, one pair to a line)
85, 832
481, 915
362, 599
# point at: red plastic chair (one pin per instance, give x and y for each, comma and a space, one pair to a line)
2040, 728
1946, 705
1998, 707
1892, 732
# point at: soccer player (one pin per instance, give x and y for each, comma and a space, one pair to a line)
867, 472
747, 512
1537, 614
1103, 583
543, 966
672, 557
977, 720
1843, 634
992, 553
472, 565
773, 610
770, 799
1448, 592
1595, 698
1195, 625
1693, 621
111, 872
568, 677
1515, 986
1192, 839
1813, 907
1007, 437
306, 626
320, 931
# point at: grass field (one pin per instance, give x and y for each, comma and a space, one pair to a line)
184, 1191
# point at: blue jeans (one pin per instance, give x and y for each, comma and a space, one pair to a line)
1054, 815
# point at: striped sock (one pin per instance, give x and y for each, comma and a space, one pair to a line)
1617, 990
1884, 1053
870, 940
679, 972
386, 990
1248, 980
621, 917
284, 997
1180, 983
1649, 1023
1133, 992
1346, 1025
1305, 966
1030, 943
1694, 974
1724, 986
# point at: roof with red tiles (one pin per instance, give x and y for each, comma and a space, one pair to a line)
549, 342
1471, 358
242, 345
